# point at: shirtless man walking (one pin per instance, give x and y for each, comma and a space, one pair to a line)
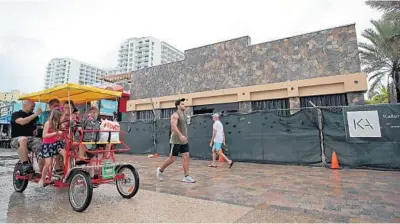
179, 142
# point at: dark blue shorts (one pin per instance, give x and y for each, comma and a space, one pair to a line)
50, 150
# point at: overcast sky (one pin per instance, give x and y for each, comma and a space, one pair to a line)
33, 32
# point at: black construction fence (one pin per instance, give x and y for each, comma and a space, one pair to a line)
362, 136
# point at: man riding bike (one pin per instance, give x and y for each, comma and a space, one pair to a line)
23, 125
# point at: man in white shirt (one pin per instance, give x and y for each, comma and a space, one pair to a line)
218, 138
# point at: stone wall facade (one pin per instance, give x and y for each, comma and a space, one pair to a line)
236, 63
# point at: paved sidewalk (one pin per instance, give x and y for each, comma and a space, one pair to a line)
246, 193
281, 192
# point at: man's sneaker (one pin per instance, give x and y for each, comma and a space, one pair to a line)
188, 179
159, 174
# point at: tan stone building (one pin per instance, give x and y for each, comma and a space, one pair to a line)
11, 96
234, 76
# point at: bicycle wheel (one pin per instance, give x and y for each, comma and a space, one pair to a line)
80, 191
129, 186
19, 185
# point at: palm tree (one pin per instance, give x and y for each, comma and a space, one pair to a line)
381, 56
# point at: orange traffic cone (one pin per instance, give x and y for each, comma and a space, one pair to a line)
334, 161
155, 155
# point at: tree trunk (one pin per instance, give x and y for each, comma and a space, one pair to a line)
392, 93
397, 95
397, 85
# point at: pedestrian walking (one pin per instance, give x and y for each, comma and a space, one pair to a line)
217, 139
179, 142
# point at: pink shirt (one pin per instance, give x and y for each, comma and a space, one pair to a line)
50, 140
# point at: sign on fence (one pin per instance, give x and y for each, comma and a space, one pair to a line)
5, 112
364, 124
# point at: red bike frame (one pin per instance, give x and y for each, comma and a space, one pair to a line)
69, 153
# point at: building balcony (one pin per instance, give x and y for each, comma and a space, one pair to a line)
122, 50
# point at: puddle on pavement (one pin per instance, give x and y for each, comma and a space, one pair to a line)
8, 159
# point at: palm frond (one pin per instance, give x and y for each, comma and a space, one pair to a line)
374, 87
393, 16
387, 6
371, 35
378, 75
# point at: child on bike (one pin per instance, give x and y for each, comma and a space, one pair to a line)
51, 143
91, 122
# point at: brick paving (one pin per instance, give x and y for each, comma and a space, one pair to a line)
317, 194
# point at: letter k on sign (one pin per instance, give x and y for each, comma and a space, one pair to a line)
362, 123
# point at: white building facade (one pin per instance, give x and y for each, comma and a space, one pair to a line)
67, 70
138, 53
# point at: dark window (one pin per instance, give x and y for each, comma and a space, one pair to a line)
167, 113
203, 111
145, 115
332, 103
279, 106
216, 108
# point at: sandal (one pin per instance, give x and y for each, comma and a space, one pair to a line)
212, 166
230, 165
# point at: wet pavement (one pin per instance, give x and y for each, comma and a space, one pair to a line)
246, 193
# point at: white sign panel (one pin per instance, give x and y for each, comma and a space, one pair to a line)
5, 109
364, 124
